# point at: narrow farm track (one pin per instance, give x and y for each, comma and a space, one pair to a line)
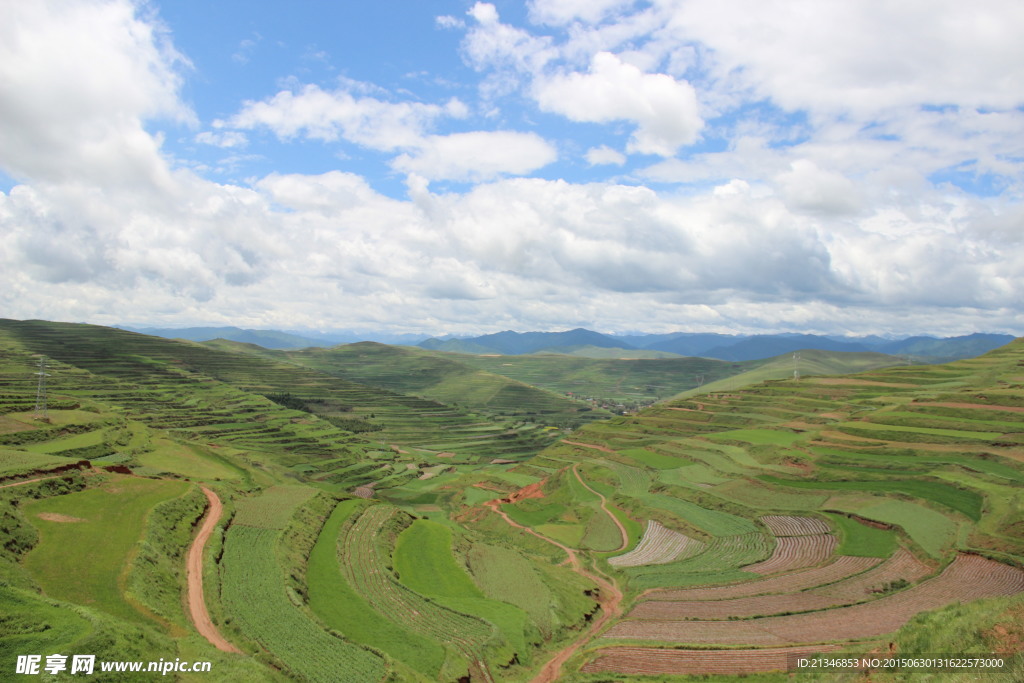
610, 599
194, 571
604, 506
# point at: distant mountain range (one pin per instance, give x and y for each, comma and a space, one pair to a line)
583, 342
721, 346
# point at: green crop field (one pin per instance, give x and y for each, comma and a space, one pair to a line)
254, 593
860, 540
340, 607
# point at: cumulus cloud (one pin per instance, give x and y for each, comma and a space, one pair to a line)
332, 115
843, 226
77, 80
862, 57
664, 109
561, 12
598, 156
480, 155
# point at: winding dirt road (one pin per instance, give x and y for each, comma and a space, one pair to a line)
610, 597
194, 571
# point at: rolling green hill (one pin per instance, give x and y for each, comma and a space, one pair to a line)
368, 534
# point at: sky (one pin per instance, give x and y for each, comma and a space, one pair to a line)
461, 167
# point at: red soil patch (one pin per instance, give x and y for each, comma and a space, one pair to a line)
531, 491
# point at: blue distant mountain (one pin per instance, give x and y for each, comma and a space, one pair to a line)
722, 346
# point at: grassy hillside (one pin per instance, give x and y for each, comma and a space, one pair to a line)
805, 362
616, 380
409, 370
372, 535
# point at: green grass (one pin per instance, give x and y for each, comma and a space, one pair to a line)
931, 530
714, 522
86, 561
966, 501
861, 540
652, 459
332, 599
423, 560
189, 460
759, 436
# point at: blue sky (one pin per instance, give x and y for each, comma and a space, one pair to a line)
467, 167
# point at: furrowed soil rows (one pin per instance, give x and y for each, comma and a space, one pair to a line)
859, 588
651, 661
796, 552
659, 545
969, 577
844, 566
787, 525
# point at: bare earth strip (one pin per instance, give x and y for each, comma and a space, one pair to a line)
855, 589
969, 577
194, 571
844, 566
657, 661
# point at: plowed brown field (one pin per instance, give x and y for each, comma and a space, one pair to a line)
969, 577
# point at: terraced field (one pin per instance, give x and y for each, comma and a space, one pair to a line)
372, 534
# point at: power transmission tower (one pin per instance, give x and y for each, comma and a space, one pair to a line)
41, 411
796, 365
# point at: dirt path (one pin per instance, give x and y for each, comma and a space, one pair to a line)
610, 600
29, 481
604, 506
589, 445
194, 570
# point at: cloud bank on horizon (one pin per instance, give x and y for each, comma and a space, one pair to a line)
700, 165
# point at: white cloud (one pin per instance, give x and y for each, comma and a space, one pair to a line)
808, 188
77, 81
480, 155
330, 116
664, 109
561, 12
839, 227
225, 139
598, 156
863, 57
